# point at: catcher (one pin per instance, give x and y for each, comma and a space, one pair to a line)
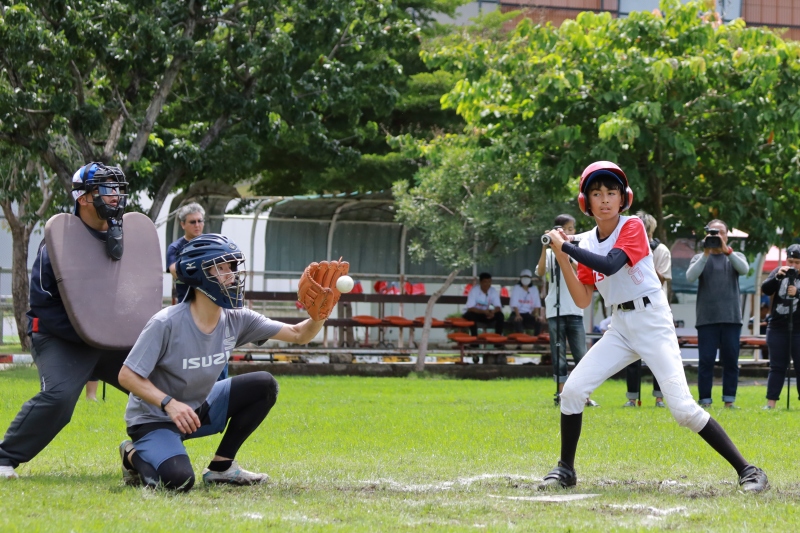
172, 369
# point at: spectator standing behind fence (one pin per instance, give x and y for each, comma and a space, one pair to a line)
662, 261
483, 306
719, 318
525, 304
777, 285
192, 219
568, 323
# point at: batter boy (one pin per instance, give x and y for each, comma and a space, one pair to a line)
615, 258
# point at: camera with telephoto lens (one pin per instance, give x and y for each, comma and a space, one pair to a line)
791, 276
712, 240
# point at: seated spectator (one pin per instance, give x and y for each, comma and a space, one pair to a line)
525, 304
483, 306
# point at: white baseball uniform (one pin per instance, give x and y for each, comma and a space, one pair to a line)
646, 332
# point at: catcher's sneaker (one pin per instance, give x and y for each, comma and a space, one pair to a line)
7, 472
561, 477
592, 403
753, 479
130, 476
630, 403
660, 402
234, 475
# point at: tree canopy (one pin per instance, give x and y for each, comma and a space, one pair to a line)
702, 117
176, 91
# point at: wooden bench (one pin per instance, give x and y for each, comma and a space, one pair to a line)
747, 342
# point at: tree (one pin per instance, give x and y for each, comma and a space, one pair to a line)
466, 207
176, 91
702, 117
27, 194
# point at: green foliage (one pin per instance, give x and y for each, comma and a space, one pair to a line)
386, 454
703, 119
467, 206
177, 91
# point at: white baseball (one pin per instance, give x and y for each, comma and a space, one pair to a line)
345, 284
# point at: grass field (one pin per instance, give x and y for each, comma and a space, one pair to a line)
383, 454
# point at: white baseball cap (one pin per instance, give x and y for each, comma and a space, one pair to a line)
526, 272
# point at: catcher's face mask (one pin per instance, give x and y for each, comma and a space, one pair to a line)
225, 279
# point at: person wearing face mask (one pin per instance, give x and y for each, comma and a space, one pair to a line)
525, 304
565, 323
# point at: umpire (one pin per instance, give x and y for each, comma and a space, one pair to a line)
64, 361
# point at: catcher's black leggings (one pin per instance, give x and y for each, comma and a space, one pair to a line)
251, 398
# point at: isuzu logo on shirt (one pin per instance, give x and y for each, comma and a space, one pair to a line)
204, 362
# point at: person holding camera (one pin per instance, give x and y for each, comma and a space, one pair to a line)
719, 317
782, 285
564, 317
662, 261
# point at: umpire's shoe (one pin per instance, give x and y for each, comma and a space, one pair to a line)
561, 477
753, 479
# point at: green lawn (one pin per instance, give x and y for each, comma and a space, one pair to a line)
377, 454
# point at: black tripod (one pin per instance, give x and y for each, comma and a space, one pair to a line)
555, 275
791, 275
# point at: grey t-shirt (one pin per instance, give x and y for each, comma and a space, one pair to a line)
183, 361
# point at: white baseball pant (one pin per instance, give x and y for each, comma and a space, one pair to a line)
646, 332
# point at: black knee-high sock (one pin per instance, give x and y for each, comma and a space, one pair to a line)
147, 472
251, 398
716, 437
570, 434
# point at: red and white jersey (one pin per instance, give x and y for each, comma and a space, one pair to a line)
637, 278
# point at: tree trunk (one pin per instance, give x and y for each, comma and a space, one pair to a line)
177, 173
164, 89
426, 328
20, 235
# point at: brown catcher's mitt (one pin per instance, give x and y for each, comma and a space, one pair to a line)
317, 289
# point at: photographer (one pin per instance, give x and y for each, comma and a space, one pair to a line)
719, 317
782, 283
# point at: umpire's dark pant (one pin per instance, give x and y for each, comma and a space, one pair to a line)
64, 368
480, 318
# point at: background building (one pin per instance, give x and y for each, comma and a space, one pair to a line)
770, 13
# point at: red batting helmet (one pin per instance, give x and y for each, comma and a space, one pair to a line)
596, 170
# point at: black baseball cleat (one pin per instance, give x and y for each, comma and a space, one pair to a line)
753, 479
561, 477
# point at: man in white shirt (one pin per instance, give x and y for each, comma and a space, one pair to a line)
483, 306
